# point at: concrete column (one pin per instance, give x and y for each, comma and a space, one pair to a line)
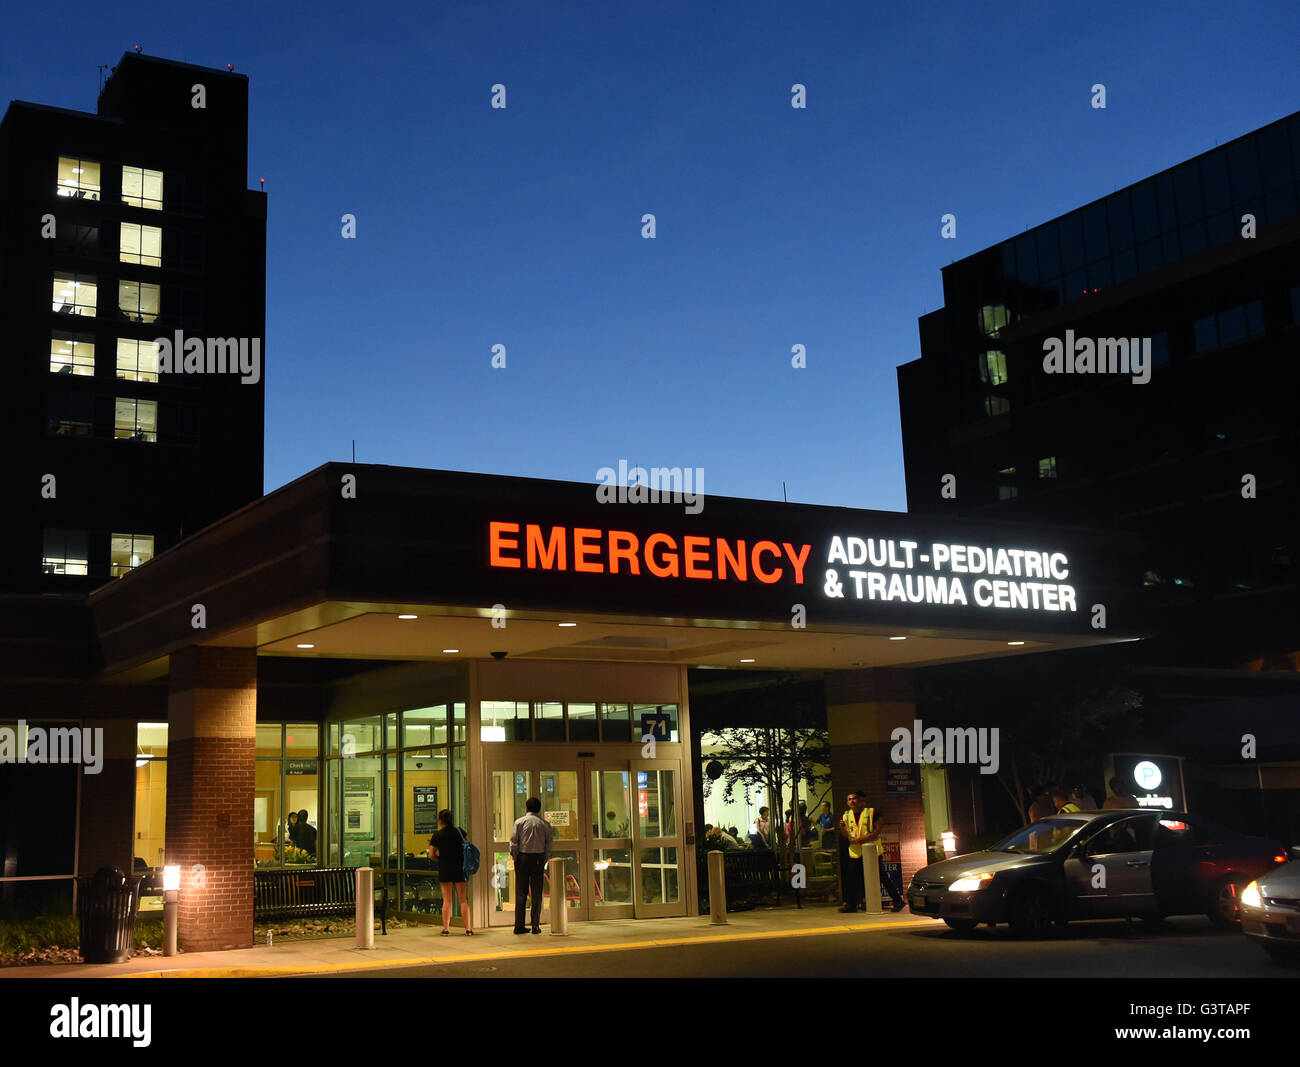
862, 707
106, 828
212, 715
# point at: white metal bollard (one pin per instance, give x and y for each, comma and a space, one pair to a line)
365, 907
871, 877
717, 888
559, 899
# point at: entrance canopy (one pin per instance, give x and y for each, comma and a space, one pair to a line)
327, 565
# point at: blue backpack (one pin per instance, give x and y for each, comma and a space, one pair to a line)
471, 854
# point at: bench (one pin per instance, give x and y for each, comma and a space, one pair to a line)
748, 874
291, 893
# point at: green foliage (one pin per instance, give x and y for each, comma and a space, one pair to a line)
18, 936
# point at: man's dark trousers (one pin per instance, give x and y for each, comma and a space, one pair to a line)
528, 882
855, 890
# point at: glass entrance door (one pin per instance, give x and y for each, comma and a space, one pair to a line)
657, 851
610, 813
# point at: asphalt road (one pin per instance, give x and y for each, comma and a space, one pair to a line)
1177, 948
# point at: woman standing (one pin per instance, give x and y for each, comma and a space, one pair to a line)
449, 846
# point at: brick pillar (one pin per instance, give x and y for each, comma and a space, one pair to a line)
106, 828
212, 715
862, 707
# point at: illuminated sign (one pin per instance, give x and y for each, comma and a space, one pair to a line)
1147, 775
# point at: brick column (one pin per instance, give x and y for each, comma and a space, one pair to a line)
106, 829
862, 707
212, 715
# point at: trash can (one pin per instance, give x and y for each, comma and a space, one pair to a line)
106, 905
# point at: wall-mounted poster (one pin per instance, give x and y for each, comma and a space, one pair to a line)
358, 809
424, 804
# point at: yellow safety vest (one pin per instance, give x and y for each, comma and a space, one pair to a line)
858, 827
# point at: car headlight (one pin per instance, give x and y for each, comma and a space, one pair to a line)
1250, 896
968, 883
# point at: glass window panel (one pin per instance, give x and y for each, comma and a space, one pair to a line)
69, 355
509, 797
267, 742
1223, 227
1099, 275
302, 739
1243, 170
150, 793
65, 552
559, 798
358, 736
1169, 247
655, 801
458, 721
137, 361
659, 875
1049, 252
363, 793
390, 730
1187, 193
548, 721
1096, 239
1027, 258
1206, 333
427, 791
138, 301
1166, 202
74, 294
1076, 284
1119, 216
1214, 183
1124, 265
1071, 231
135, 420
1192, 238
610, 810
504, 720
1232, 325
1150, 256
1254, 318
78, 178
616, 722
1008, 250
1274, 157
142, 188
1146, 216
425, 726
1280, 205
613, 876
140, 244
128, 551
583, 725
1159, 349
572, 875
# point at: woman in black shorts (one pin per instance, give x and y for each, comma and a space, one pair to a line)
449, 847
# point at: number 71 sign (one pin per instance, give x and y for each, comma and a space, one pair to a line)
658, 724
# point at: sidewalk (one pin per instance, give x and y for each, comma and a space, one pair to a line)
420, 946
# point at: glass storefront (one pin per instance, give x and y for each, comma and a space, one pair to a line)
286, 791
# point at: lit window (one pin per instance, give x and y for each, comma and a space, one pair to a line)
139, 301
996, 405
135, 420
1047, 467
71, 355
78, 178
1007, 484
74, 294
137, 361
141, 244
128, 551
993, 367
142, 188
65, 552
993, 318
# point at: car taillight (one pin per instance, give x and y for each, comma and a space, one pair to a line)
1280, 857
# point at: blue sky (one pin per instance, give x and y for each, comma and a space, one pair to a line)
776, 226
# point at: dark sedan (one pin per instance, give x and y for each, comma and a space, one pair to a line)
1093, 865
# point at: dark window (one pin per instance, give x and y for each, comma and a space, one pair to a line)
1274, 157
1095, 238
77, 239
1150, 256
71, 414
1192, 238
1224, 227
1232, 325
1124, 265
1076, 284
1071, 243
1214, 183
1165, 202
1099, 275
1049, 253
1207, 335
1146, 217
1159, 349
1027, 258
1008, 259
1281, 205
1243, 168
1120, 216
1187, 191
1169, 247
1254, 318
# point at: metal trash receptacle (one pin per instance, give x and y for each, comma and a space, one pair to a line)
107, 903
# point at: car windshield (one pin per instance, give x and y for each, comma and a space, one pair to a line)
1047, 835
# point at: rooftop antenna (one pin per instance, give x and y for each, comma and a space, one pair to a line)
354, 450
783, 496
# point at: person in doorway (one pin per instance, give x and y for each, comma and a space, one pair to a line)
448, 846
306, 833
1118, 798
530, 846
858, 828
1064, 805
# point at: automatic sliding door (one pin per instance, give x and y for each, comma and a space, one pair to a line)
610, 819
657, 838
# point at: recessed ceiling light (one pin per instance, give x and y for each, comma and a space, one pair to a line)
898, 638
1015, 642
746, 661
306, 646
566, 624
451, 650
408, 616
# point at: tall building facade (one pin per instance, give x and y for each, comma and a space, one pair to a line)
117, 229
1132, 365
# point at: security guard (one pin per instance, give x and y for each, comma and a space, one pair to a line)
856, 828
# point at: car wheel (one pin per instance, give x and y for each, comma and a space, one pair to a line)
1282, 953
1031, 912
962, 926
1223, 904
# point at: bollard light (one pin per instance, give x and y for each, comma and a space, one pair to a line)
171, 904
171, 879
949, 842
